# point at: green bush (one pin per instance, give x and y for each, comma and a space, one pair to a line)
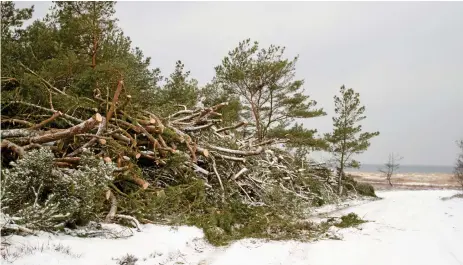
350, 220
361, 188
365, 189
41, 196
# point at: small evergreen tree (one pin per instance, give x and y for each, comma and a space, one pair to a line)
179, 89
347, 138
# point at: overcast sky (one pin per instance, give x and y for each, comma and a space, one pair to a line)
404, 58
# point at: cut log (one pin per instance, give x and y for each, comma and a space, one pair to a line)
78, 129
141, 182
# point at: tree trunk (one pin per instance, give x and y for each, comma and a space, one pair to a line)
340, 183
340, 175
255, 112
389, 180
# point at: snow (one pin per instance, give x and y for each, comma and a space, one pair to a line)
407, 227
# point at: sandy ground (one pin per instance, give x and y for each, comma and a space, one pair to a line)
405, 227
408, 181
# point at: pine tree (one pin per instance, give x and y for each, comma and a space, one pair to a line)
213, 94
347, 138
12, 20
85, 25
79, 50
264, 82
179, 90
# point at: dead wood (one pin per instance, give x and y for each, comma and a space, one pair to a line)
45, 122
115, 100
7, 145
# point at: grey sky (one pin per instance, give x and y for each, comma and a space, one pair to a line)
404, 58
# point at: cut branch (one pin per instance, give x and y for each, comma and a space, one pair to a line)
214, 166
78, 129
45, 122
241, 172
101, 130
237, 152
232, 127
232, 158
112, 212
115, 99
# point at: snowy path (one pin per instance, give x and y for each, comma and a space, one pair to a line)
408, 227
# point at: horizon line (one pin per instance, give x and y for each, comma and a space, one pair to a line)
375, 164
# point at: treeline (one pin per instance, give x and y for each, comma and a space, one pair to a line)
78, 63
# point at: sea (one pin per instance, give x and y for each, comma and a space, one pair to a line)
407, 169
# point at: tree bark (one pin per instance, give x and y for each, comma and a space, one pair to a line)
115, 100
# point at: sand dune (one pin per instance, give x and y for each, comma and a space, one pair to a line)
408, 180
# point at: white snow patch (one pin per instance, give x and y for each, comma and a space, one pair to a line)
407, 227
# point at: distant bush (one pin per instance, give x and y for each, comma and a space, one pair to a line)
361, 188
350, 220
455, 196
128, 259
365, 189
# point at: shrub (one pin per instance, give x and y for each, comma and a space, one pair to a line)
128, 259
350, 220
365, 189
361, 188
40, 196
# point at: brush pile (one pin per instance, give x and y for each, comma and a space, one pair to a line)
141, 151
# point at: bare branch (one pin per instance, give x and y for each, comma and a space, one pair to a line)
45, 122
241, 172
237, 152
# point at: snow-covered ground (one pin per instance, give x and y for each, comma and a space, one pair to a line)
407, 227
